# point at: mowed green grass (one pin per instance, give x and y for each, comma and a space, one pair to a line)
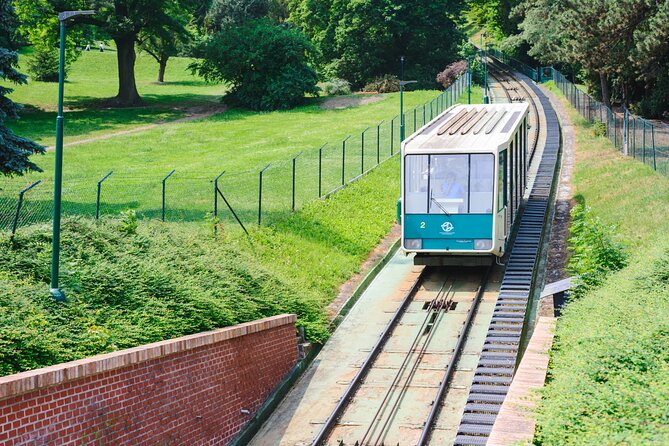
239, 142
93, 78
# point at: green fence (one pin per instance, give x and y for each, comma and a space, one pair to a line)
256, 196
632, 135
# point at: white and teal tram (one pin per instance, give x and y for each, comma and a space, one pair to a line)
463, 178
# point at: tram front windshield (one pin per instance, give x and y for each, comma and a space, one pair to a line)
449, 184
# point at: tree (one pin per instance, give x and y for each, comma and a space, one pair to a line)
364, 39
167, 41
123, 21
265, 64
14, 150
608, 39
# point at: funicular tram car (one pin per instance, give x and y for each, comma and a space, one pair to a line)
463, 177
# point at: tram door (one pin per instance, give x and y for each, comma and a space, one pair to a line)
502, 197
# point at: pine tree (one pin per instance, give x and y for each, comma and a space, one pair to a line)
14, 150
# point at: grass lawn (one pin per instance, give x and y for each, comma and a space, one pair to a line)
94, 77
238, 142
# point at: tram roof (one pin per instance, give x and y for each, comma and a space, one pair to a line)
482, 127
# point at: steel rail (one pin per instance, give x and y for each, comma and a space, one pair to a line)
412, 349
447, 299
366, 365
532, 103
459, 347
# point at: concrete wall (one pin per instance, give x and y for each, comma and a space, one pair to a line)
191, 391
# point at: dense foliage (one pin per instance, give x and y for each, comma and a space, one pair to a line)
594, 253
124, 21
383, 84
333, 87
361, 40
622, 47
14, 150
43, 65
132, 282
265, 64
609, 377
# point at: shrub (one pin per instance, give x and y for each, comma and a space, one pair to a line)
594, 253
388, 83
43, 64
451, 73
266, 64
599, 129
128, 223
335, 87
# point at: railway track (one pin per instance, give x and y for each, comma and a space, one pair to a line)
396, 394
501, 350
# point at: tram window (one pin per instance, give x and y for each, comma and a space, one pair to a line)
501, 181
449, 184
481, 180
416, 168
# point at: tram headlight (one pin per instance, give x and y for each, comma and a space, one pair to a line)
413, 243
483, 244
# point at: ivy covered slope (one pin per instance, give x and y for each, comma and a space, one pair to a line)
609, 373
129, 284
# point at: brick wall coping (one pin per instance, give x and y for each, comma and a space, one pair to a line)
13, 385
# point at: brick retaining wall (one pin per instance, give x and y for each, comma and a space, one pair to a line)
190, 391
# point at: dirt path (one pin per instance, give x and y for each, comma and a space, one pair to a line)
192, 114
340, 102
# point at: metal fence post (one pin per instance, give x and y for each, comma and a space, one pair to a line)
634, 137
260, 193
97, 200
423, 114
343, 159
320, 169
216, 195
19, 204
378, 142
362, 151
414, 119
643, 146
652, 140
292, 206
164, 181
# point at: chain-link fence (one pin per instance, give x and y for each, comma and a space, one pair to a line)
249, 197
632, 135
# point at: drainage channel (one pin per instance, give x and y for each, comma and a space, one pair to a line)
502, 344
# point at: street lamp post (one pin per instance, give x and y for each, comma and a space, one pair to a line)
469, 80
402, 84
54, 290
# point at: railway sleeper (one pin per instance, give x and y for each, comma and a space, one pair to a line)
494, 371
493, 380
468, 440
475, 429
482, 408
496, 390
479, 418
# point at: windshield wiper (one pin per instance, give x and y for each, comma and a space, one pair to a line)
433, 200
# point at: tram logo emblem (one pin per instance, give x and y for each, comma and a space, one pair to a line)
447, 226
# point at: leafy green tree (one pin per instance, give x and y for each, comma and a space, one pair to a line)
14, 150
265, 64
364, 39
167, 41
622, 43
123, 20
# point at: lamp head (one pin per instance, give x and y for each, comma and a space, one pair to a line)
66, 15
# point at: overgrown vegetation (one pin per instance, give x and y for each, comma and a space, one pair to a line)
610, 364
609, 370
130, 284
594, 253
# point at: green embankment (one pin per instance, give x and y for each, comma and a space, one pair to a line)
609, 372
171, 279
174, 279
